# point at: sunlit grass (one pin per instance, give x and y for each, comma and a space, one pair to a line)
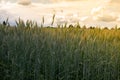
32, 52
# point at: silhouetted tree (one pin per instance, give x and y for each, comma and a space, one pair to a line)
4, 23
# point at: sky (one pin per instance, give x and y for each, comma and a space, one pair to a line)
104, 13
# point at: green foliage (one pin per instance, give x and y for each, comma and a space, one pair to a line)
29, 52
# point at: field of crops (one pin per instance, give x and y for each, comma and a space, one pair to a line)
28, 52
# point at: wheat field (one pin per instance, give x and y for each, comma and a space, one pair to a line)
32, 52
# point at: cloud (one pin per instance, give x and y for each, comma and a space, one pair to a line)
106, 17
107, 12
114, 1
63, 0
24, 2
70, 13
84, 18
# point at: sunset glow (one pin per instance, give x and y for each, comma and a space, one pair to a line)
88, 12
